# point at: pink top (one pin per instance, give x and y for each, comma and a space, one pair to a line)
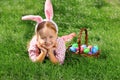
59, 52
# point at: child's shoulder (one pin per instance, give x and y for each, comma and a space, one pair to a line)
60, 40
34, 39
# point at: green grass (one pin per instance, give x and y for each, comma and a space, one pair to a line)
100, 17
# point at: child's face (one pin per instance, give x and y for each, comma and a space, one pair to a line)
47, 37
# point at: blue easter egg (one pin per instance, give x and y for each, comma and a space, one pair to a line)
94, 50
84, 46
73, 49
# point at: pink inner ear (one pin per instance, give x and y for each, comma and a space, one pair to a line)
48, 14
48, 10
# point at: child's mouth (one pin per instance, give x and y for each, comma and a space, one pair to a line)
47, 45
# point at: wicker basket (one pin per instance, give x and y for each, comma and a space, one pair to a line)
86, 43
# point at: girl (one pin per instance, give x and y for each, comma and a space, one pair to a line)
45, 42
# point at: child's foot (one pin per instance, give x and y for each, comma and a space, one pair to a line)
69, 37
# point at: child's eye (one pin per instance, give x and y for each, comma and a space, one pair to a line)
42, 37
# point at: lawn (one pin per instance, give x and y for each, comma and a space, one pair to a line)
100, 17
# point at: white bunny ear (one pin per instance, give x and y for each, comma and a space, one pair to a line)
48, 10
37, 19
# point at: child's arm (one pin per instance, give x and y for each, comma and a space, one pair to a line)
51, 54
34, 52
52, 57
36, 55
42, 55
59, 50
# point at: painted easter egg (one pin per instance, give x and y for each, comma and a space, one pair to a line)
77, 49
81, 49
94, 50
84, 46
96, 47
90, 53
75, 45
73, 49
86, 50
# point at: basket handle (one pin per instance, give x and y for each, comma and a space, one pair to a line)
80, 37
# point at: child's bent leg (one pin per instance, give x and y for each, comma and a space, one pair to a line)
69, 37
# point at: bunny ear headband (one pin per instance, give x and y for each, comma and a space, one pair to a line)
38, 19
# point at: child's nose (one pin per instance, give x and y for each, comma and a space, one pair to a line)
47, 40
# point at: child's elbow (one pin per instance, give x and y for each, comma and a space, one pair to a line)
34, 60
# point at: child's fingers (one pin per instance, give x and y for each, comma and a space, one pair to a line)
43, 49
55, 45
43, 46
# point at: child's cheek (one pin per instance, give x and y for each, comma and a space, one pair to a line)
41, 41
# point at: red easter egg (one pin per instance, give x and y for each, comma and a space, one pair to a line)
81, 50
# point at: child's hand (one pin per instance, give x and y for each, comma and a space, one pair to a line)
42, 48
53, 47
